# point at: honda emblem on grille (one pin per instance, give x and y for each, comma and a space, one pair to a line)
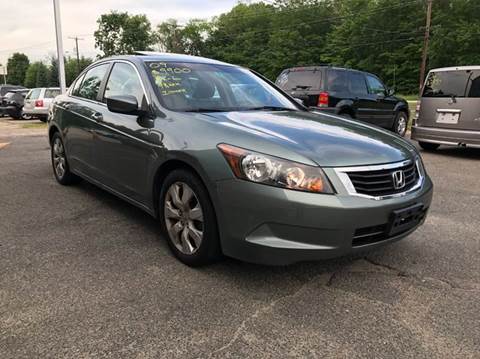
398, 179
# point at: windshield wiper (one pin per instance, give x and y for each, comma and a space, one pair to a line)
270, 108
208, 110
303, 87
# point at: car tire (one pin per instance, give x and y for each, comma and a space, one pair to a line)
400, 124
428, 146
25, 116
61, 170
188, 219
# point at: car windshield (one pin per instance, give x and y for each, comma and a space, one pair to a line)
208, 87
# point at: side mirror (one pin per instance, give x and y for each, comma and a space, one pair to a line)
126, 104
391, 91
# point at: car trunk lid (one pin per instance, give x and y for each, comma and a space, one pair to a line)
451, 100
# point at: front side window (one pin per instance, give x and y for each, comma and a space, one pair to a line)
91, 83
123, 80
375, 86
211, 87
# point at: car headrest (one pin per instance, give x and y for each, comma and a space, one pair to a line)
204, 90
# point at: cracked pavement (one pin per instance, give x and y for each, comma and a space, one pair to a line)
86, 275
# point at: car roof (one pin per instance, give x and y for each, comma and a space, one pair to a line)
147, 56
457, 68
319, 67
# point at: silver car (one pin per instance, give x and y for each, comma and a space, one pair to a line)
448, 112
38, 101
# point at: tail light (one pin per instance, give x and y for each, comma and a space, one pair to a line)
417, 111
323, 99
39, 103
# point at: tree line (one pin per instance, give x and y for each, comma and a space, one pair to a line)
40, 74
384, 37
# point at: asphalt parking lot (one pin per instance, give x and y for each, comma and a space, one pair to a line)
86, 275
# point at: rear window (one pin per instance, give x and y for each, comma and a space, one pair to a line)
452, 83
300, 80
51, 93
34, 94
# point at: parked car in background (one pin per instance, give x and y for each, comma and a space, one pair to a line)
229, 164
351, 93
448, 112
4, 89
12, 104
38, 101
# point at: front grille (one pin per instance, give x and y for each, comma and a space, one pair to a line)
381, 182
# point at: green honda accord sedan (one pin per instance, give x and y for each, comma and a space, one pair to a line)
232, 165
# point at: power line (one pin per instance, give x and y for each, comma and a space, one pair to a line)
76, 38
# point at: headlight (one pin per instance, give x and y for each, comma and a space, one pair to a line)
274, 171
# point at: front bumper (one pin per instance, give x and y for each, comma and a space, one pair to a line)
446, 136
270, 225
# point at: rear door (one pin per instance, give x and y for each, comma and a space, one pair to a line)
302, 83
80, 117
362, 101
451, 99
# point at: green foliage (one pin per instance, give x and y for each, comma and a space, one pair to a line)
384, 37
73, 68
17, 66
121, 33
37, 75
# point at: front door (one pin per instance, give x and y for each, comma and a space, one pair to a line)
124, 150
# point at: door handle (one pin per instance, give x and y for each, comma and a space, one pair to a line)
97, 117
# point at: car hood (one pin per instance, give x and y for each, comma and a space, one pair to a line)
328, 140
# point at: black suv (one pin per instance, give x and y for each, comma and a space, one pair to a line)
12, 104
351, 93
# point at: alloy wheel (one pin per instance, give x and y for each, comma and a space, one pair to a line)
401, 124
59, 161
184, 218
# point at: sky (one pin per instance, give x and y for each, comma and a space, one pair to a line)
28, 25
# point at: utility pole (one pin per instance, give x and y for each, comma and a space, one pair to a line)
425, 44
76, 38
58, 32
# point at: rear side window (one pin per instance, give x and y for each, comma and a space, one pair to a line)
91, 83
51, 93
76, 87
337, 81
300, 80
357, 83
34, 94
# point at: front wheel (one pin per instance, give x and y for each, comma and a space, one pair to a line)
188, 219
428, 146
400, 124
